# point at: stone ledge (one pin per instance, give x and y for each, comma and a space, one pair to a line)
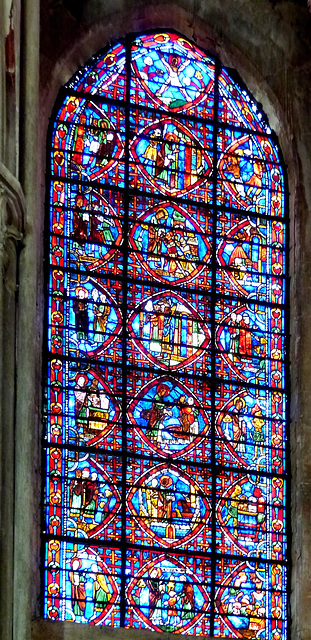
48, 630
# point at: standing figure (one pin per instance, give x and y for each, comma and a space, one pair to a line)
81, 313
261, 511
156, 320
169, 327
80, 220
258, 424
152, 499
165, 156
153, 585
76, 491
193, 413
94, 145
233, 508
96, 235
255, 181
238, 425
245, 337
151, 152
79, 141
80, 392
101, 593
101, 309
78, 580
188, 418
156, 235
157, 411
90, 496
98, 408
174, 67
188, 601
234, 335
171, 248
106, 146
165, 499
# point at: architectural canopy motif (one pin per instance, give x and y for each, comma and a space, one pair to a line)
166, 366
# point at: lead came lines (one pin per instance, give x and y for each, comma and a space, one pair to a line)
190, 333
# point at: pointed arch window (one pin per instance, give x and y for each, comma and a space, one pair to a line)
166, 368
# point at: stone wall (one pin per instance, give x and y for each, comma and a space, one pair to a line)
268, 42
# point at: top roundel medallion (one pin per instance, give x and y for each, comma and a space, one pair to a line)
172, 71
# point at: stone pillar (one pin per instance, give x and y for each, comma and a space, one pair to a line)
29, 343
12, 213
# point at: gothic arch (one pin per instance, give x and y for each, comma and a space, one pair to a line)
289, 119
78, 162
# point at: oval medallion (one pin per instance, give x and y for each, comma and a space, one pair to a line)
168, 506
168, 418
170, 156
168, 330
167, 596
169, 243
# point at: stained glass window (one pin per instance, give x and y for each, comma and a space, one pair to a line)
166, 348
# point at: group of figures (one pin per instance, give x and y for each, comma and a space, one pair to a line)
94, 317
244, 602
168, 596
167, 417
94, 409
172, 156
93, 224
170, 244
92, 500
167, 266
168, 505
243, 427
168, 330
94, 142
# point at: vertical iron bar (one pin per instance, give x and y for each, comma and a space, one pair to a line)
128, 43
213, 346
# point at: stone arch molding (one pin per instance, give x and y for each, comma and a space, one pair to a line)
215, 46
220, 37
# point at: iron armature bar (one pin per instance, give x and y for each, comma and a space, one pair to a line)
202, 378
201, 555
128, 46
218, 468
213, 345
157, 112
182, 287
149, 195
